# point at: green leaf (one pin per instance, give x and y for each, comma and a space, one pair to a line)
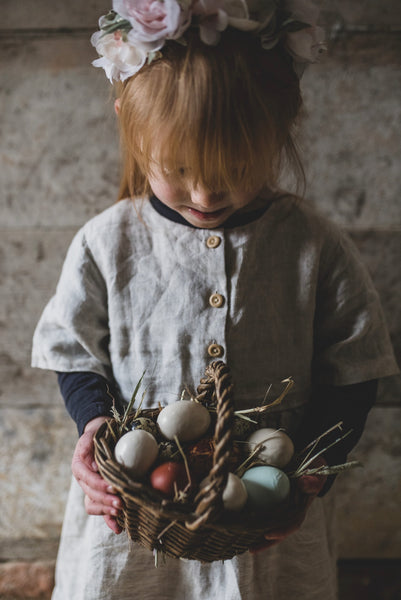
113, 22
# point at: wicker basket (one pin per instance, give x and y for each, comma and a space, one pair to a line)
200, 530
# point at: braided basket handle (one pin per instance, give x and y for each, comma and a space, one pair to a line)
216, 388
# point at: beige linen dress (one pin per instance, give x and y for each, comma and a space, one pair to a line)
134, 295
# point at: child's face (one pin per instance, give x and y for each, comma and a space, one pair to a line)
199, 206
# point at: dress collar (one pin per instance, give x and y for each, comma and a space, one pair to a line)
236, 220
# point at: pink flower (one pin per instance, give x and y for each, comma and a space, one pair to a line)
153, 20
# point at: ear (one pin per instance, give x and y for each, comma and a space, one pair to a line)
117, 104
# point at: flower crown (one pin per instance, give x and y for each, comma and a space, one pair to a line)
134, 32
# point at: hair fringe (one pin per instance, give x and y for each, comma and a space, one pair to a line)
229, 112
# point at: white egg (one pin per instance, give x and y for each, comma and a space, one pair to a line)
136, 450
234, 495
186, 419
277, 450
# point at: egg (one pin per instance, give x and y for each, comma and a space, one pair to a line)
186, 419
145, 424
136, 450
234, 495
168, 451
169, 476
277, 450
242, 428
266, 487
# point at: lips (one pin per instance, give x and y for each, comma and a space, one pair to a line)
206, 216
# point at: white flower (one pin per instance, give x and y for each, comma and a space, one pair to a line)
154, 21
302, 10
119, 59
251, 15
305, 45
212, 20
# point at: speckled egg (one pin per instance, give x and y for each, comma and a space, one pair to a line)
277, 450
169, 451
266, 486
145, 424
242, 428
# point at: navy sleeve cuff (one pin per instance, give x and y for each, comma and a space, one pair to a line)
87, 396
328, 406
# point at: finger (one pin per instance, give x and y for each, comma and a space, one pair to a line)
112, 523
311, 484
102, 498
92, 479
85, 450
94, 508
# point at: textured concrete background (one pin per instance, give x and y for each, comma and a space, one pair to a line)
59, 167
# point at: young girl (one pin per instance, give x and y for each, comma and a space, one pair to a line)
204, 257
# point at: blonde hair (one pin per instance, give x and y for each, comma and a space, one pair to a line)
227, 111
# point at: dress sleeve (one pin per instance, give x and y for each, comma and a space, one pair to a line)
73, 331
351, 340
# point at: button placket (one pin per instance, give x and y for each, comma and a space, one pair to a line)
216, 277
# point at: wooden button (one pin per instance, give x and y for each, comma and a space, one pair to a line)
215, 350
216, 300
213, 241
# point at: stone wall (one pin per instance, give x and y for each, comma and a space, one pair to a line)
59, 167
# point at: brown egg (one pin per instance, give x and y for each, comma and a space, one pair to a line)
169, 477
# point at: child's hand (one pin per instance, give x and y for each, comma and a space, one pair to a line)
308, 486
99, 497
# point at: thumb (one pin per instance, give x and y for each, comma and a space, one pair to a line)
84, 452
312, 484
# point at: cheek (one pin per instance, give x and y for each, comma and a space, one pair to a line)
165, 191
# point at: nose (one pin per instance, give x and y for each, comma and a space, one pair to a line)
205, 199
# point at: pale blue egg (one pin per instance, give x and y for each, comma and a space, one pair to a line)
266, 486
